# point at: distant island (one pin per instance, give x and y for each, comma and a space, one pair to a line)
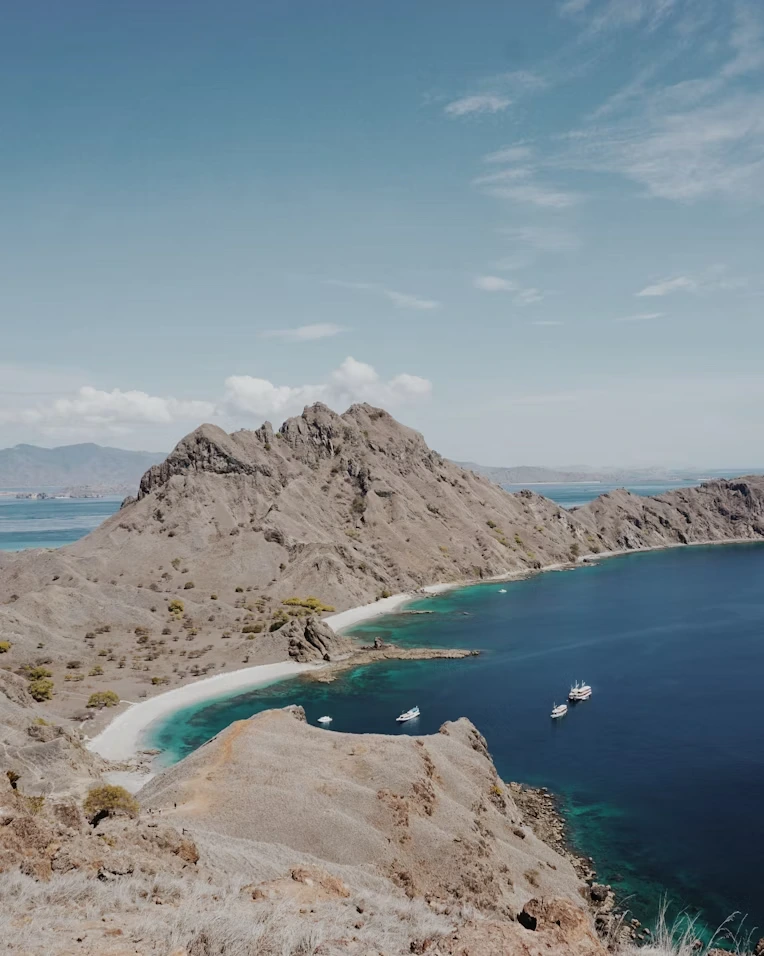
75, 471
541, 475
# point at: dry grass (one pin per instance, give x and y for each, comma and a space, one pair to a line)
683, 936
165, 914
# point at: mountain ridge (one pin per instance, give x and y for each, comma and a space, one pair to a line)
31, 467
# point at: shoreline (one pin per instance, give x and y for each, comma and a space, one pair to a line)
120, 740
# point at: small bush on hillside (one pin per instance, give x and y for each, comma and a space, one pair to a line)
103, 698
176, 606
160, 680
73, 665
491, 524
96, 671
41, 688
311, 603
251, 629
188, 585
35, 673
5, 646
107, 799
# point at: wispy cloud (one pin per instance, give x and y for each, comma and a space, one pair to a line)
640, 317
479, 103
547, 322
714, 279
510, 154
401, 300
537, 194
522, 296
667, 286
700, 138
304, 333
572, 7
543, 238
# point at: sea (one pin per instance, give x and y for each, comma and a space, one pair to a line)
660, 774
50, 522
53, 522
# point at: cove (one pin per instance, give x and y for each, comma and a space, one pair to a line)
661, 772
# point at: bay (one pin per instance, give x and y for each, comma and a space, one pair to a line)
661, 772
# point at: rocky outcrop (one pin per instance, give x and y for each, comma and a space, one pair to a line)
313, 640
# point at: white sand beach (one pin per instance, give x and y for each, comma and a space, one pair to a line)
121, 739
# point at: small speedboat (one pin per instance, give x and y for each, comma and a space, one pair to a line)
559, 710
502, 590
580, 691
324, 720
408, 715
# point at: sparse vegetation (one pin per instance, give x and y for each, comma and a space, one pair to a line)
188, 585
103, 698
107, 799
492, 525
310, 603
41, 688
251, 629
5, 646
96, 671
35, 673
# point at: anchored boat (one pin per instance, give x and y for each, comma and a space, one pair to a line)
408, 715
559, 710
324, 720
580, 691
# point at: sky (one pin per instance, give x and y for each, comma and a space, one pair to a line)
533, 231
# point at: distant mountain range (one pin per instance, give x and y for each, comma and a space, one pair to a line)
95, 467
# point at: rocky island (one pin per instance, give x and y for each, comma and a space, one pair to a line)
238, 551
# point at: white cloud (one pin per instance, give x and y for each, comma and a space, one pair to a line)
401, 300
480, 103
304, 333
510, 154
667, 286
353, 381
640, 317
494, 284
537, 195
572, 7
547, 322
498, 284
93, 407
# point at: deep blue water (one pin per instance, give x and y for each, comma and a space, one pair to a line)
662, 771
50, 522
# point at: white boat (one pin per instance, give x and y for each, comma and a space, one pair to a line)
559, 710
324, 720
580, 691
408, 715
502, 590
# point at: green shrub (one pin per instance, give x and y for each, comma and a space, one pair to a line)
239, 590
35, 673
106, 799
251, 628
188, 585
96, 671
103, 698
385, 593
5, 646
160, 680
491, 524
311, 603
175, 606
41, 688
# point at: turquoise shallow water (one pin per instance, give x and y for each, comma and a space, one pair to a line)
50, 522
661, 772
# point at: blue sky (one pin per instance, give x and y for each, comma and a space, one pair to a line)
531, 230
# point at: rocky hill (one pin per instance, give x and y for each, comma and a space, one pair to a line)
277, 837
85, 465
232, 536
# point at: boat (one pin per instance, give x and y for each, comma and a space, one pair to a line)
324, 720
559, 710
580, 691
408, 715
502, 590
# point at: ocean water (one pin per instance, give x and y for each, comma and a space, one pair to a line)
575, 494
53, 522
661, 772
50, 522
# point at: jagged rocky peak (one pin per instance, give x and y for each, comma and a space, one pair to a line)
318, 433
